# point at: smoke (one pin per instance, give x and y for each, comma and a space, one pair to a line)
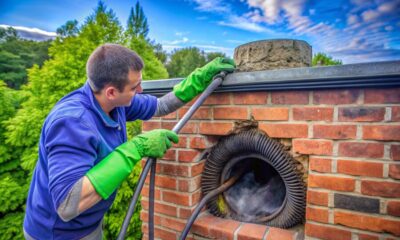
256, 195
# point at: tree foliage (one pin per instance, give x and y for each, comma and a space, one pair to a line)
70, 28
321, 59
137, 22
184, 61
62, 73
16, 55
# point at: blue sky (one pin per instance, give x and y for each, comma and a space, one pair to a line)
350, 30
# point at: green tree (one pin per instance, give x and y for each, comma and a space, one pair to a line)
63, 73
70, 28
13, 180
184, 61
153, 68
137, 22
16, 55
211, 55
321, 59
159, 52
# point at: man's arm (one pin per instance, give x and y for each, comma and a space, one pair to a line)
81, 197
167, 104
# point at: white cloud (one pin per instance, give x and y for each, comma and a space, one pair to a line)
244, 24
389, 28
212, 6
213, 48
180, 34
32, 30
352, 19
175, 42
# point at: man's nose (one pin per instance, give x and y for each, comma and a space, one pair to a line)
140, 89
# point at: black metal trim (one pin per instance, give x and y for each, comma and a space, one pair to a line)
331, 83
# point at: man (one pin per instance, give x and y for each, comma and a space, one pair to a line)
84, 154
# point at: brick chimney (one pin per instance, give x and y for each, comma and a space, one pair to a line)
341, 122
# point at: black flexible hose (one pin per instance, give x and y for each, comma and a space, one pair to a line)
151, 199
229, 183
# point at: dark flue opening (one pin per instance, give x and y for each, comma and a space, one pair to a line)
259, 194
270, 189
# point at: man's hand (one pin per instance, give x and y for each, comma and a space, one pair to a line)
200, 78
109, 173
155, 143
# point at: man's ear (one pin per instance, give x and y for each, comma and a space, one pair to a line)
110, 92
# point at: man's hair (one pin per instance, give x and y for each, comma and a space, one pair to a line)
110, 64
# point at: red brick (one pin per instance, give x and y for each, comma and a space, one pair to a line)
393, 208
382, 95
332, 183
165, 182
198, 143
164, 234
317, 198
365, 222
170, 155
281, 234
201, 113
335, 97
170, 116
362, 236
145, 218
360, 168
218, 99
285, 130
289, 97
317, 214
313, 114
176, 198
315, 147
396, 114
215, 228
172, 223
145, 192
161, 208
231, 113
187, 155
197, 169
150, 125
271, 114
386, 133
321, 164
202, 225
327, 233
394, 171
335, 131
395, 152
182, 142
188, 128
185, 213
361, 114
382, 189
358, 149
249, 98
189, 184
215, 128
173, 169
250, 231
223, 229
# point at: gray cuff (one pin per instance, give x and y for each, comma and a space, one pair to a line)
69, 209
168, 104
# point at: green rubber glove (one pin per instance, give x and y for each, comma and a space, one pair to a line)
200, 78
110, 172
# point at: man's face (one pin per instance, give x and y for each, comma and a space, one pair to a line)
134, 86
